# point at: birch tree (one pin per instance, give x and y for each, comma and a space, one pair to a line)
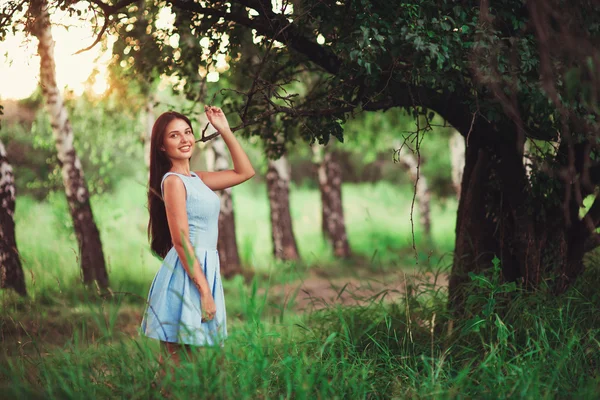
11, 270
333, 224
217, 160
457, 159
278, 188
91, 255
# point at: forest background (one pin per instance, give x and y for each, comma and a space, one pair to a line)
360, 262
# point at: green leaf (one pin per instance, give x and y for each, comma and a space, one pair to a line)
480, 280
473, 325
489, 307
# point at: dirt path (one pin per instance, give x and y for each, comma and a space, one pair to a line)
318, 291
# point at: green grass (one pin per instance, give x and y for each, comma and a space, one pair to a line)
377, 219
65, 342
536, 346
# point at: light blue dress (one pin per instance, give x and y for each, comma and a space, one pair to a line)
174, 312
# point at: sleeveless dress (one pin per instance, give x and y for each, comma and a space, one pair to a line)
174, 312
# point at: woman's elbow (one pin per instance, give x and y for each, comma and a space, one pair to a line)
249, 174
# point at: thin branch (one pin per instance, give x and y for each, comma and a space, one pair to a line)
98, 37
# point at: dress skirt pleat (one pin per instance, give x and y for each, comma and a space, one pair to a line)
174, 304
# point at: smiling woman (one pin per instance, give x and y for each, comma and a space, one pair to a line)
179, 140
186, 304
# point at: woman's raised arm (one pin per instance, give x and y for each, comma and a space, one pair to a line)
242, 169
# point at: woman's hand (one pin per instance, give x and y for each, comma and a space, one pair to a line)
209, 309
217, 118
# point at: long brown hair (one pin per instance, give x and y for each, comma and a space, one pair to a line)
158, 227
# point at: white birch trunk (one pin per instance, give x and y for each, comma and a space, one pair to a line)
278, 188
90, 247
11, 270
457, 159
333, 224
217, 159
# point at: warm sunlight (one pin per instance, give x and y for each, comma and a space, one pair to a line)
19, 68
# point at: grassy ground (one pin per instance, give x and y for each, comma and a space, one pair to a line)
62, 343
528, 347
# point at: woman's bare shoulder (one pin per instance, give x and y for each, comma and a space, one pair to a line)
173, 184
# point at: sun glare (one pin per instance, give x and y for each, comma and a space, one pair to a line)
19, 61
19, 68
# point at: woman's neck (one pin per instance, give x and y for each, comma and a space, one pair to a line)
182, 167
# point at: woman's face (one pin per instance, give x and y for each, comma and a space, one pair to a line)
178, 140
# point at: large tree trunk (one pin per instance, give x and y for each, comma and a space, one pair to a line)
498, 215
88, 238
278, 187
228, 251
333, 224
457, 159
410, 163
11, 271
475, 245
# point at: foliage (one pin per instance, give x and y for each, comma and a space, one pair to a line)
485, 296
374, 350
107, 137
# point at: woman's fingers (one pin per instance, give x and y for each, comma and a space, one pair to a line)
212, 109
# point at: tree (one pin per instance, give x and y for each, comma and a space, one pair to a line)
278, 190
88, 237
333, 225
11, 270
457, 159
477, 66
217, 160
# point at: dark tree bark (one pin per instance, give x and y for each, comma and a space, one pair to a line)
227, 244
498, 215
474, 244
333, 224
88, 237
11, 270
278, 187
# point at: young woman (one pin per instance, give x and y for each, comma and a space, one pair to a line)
186, 306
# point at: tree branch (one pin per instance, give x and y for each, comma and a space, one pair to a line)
316, 53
